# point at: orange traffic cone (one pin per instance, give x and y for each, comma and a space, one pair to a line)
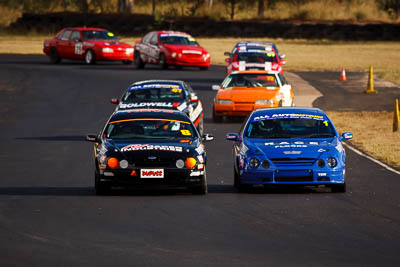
343, 75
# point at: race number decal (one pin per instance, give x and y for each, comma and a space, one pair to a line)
78, 48
185, 132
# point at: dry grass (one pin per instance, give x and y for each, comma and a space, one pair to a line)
372, 133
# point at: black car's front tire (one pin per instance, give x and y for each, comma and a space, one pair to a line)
201, 189
101, 188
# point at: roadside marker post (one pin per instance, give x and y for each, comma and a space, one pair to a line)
370, 88
396, 116
343, 75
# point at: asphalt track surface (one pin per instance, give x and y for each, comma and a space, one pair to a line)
50, 216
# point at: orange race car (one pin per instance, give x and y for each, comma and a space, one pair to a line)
241, 92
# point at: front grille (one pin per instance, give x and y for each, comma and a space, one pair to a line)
280, 162
294, 179
294, 176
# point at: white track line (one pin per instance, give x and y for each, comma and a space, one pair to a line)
372, 159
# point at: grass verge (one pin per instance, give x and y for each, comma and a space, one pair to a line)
372, 133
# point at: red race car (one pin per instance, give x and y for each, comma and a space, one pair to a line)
170, 48
89, 44
254, 56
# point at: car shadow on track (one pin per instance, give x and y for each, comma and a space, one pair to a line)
89, 191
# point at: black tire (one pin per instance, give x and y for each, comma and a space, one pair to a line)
54, 56
163, 62
202, 188
338, 188
203, 68
127, 62
138, 61
200, 127
241, 188
215, 117
101, 188
90, 57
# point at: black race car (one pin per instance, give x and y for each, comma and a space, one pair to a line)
165, 94
150, 147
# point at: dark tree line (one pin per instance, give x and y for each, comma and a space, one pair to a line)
392, 7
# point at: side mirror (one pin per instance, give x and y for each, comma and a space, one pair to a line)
233, 137
114, 101
228, 60
227, 54
283, 56
216, 87
92, 138
193, 97
346, 136
207, 137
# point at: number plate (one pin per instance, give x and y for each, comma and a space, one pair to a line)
152, 173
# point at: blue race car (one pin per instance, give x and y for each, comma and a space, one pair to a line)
289, 146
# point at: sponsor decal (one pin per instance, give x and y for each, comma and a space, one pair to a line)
290, 145
191, 52
291, 152
78, 48
175, 34
155, 85
182, 106
200, 150
322, 174
138, 147
146, 104
321, 150
288, 116
152, 173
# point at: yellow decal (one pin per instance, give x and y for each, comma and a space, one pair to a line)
271, 54
270, 78
176, 90
110, 34
326, 123
185, 132
192, 39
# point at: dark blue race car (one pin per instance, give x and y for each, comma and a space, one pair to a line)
289, 146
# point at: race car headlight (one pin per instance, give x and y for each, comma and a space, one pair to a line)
265, 164
265, 102
123, 164
108, 50
224, 102
254, 163
180, 163
190, 163
332, 162
112, 163
129, 50
206, 56
173, 54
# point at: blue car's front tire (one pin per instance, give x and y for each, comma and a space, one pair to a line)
338, 188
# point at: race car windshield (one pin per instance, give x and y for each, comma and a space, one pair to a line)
255, 57
149, 128
290, 128
154, 95
250, 80
98, 35
178, 40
